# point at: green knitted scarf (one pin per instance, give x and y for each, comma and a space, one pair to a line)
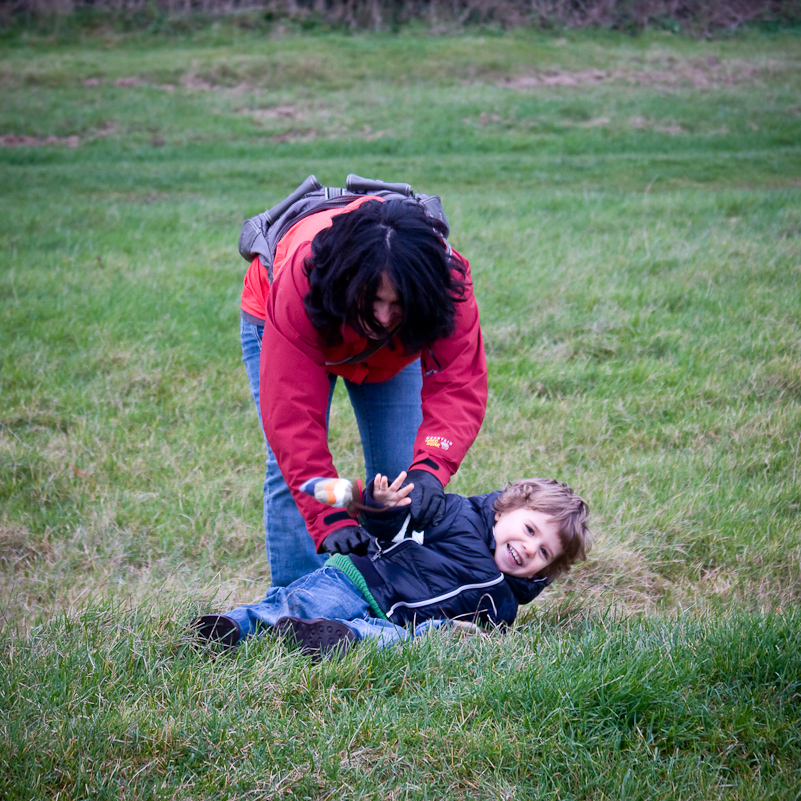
342, 562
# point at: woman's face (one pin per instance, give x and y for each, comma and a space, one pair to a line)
386, 309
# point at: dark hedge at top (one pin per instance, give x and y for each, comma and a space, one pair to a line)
699, 17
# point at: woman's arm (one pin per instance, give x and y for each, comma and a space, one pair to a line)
454, 395
294, 391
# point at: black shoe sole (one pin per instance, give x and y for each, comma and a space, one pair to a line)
318, 637
216, 629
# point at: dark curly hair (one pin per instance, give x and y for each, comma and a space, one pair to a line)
395, 238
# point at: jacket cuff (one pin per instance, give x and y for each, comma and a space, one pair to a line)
381, 522
367, 498
333, 520
424, 462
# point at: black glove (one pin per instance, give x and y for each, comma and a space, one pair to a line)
351, 539
428, 499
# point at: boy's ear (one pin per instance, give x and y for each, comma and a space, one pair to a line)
497, 516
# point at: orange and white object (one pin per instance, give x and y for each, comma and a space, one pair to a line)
332, 491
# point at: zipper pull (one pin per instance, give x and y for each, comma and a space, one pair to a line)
377, 555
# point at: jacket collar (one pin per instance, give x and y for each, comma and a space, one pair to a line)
525, 590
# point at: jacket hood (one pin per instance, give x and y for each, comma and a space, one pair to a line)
525, 590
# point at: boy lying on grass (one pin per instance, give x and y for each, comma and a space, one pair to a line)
488, 554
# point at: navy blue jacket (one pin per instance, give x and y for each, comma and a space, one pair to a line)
448, 571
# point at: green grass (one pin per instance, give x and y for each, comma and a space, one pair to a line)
604, 709
631, 209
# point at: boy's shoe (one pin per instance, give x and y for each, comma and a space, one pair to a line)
217, 629
318, 637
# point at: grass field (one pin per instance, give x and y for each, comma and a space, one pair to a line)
631, 208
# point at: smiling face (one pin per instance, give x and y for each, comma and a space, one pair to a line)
526, 542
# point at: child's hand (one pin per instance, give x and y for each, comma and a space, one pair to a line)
391, 494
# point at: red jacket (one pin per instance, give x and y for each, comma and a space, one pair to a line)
296, 363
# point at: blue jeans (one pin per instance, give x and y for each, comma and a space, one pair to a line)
388, 415
329, 593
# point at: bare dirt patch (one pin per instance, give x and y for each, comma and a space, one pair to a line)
274, 113
554, 78
12, 140
296, 135
367, 134
74, 140
195, 83
132, 81
189, 80
700, 73
597, 122
643, 124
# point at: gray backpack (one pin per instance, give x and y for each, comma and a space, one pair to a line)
260, 234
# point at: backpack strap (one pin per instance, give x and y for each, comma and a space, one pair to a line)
260, 234
370, 186
311, 184
373, 346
